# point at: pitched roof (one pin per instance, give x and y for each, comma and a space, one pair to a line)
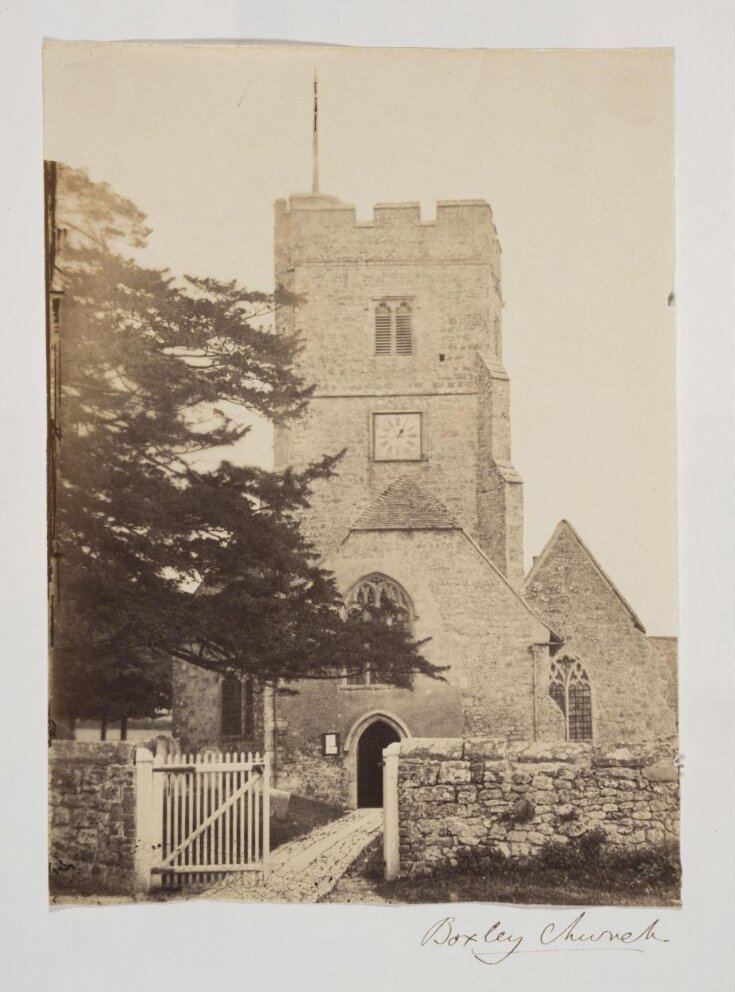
406, 505
554, 636
564, 527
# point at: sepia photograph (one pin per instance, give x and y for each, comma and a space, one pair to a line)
362, 516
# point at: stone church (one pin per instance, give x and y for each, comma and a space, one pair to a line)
402, 336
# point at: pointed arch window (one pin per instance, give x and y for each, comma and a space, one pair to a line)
569, 687
372, 593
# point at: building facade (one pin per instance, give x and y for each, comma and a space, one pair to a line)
400, 323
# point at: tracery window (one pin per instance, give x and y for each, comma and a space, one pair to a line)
372, 593
569, 687
393, 329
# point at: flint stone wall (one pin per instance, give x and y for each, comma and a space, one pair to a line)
92, 817
306, 772
457, 796
633, 679
197, 711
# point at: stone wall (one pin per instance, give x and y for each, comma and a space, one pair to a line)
92, 817
450, 269
455, 796
305, 771
633, 682
499, 493
476, 624
197, 711
448, 469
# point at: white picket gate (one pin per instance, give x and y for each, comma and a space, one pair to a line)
209, 816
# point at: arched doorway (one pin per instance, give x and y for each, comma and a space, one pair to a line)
352, 746
376, 736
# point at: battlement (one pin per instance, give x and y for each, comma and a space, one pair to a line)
383, 213
313, 225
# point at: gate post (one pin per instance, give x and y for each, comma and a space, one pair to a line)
144, 818
266, 812
158, 787
391, 852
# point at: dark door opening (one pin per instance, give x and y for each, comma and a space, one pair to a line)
370, 762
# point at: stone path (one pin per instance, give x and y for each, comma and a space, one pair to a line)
357, 890
307, 869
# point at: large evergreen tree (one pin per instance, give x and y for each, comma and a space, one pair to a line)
157, 558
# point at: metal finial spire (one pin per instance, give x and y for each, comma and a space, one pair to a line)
315, 162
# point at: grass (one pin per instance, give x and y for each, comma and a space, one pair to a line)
542, 887
303, 816
651, 879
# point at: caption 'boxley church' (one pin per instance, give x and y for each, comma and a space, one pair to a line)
402, 335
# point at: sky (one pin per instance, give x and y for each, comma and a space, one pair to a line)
573, 150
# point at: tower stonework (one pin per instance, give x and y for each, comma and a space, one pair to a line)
446, 275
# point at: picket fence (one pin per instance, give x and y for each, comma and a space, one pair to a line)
212, 815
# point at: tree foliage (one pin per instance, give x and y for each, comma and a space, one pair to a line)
159, 558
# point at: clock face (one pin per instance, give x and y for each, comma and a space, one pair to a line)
397, 437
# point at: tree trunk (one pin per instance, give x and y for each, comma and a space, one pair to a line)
124, 727
103, 728
73, 727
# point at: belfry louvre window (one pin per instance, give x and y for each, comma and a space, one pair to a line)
569, 687
382, 330
404, 345
393, 330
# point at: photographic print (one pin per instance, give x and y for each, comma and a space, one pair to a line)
336, 614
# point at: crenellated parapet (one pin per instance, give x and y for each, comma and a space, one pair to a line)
316, 228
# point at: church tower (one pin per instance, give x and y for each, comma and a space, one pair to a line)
401, 332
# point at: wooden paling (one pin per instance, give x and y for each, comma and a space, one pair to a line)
214, 815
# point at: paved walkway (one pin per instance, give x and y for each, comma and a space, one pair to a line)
357, 890
307, 869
